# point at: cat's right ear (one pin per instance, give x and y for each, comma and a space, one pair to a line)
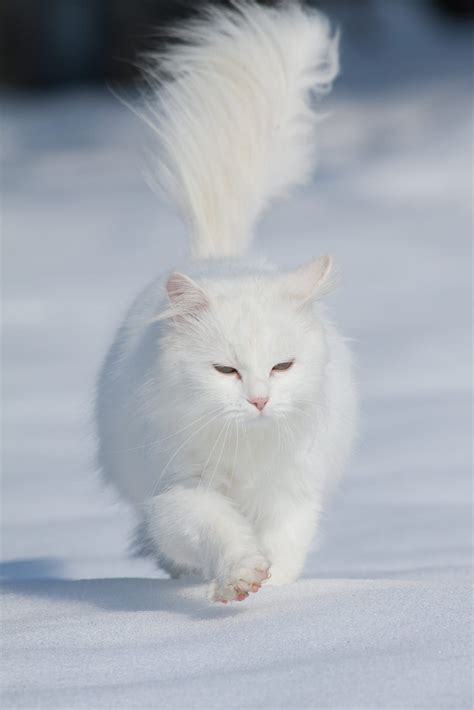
312, 280
186, 297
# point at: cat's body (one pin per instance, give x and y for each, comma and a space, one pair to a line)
226, 405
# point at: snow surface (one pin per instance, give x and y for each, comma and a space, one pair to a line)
381, 617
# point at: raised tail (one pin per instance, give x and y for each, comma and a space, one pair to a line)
231, 108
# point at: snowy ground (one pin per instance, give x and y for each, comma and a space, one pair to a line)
381, 617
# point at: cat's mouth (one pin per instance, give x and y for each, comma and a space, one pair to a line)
259, 419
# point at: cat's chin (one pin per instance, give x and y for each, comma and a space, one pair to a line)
259, 420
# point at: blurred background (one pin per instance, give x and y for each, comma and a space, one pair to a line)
59, 42
82, 233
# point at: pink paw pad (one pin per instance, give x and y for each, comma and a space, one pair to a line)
237, 584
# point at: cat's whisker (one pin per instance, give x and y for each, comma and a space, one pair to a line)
234, 465
204, 468
195, 421
279, 437
159, 440
283, 433
313, 422
247, 441
322, 408
184, 443
291, 439
275, 440
229, 421
304, 412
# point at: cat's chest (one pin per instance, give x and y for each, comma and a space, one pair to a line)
251, 470
257, 478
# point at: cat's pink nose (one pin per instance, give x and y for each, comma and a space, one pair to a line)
258, 402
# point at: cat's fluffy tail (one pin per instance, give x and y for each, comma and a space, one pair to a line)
231, 108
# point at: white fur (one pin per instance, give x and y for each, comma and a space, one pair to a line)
219, 487
235, 124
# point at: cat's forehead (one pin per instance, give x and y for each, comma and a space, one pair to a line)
254, 317
251, 302
259, 291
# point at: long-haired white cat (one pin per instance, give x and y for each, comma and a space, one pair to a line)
226, 405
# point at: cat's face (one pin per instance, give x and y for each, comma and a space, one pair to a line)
250, 348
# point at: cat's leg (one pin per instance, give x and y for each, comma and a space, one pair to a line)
286, 536
202, 530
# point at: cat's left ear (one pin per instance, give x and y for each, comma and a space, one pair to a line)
186, 298
312, 280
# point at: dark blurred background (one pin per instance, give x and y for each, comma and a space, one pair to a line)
47, 43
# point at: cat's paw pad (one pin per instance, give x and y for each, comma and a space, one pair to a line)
242, 579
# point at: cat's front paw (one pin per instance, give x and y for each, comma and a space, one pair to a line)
241, 579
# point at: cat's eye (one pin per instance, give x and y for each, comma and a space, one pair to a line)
225, 369
283, 366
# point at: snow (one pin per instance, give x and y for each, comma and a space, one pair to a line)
381, 617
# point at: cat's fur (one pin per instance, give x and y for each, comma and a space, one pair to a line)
220, 487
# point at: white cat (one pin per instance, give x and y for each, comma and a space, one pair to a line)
226, 405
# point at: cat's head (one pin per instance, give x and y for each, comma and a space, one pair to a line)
248, 346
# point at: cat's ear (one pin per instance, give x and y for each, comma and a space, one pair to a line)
186, 298
185, 295
312, 280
